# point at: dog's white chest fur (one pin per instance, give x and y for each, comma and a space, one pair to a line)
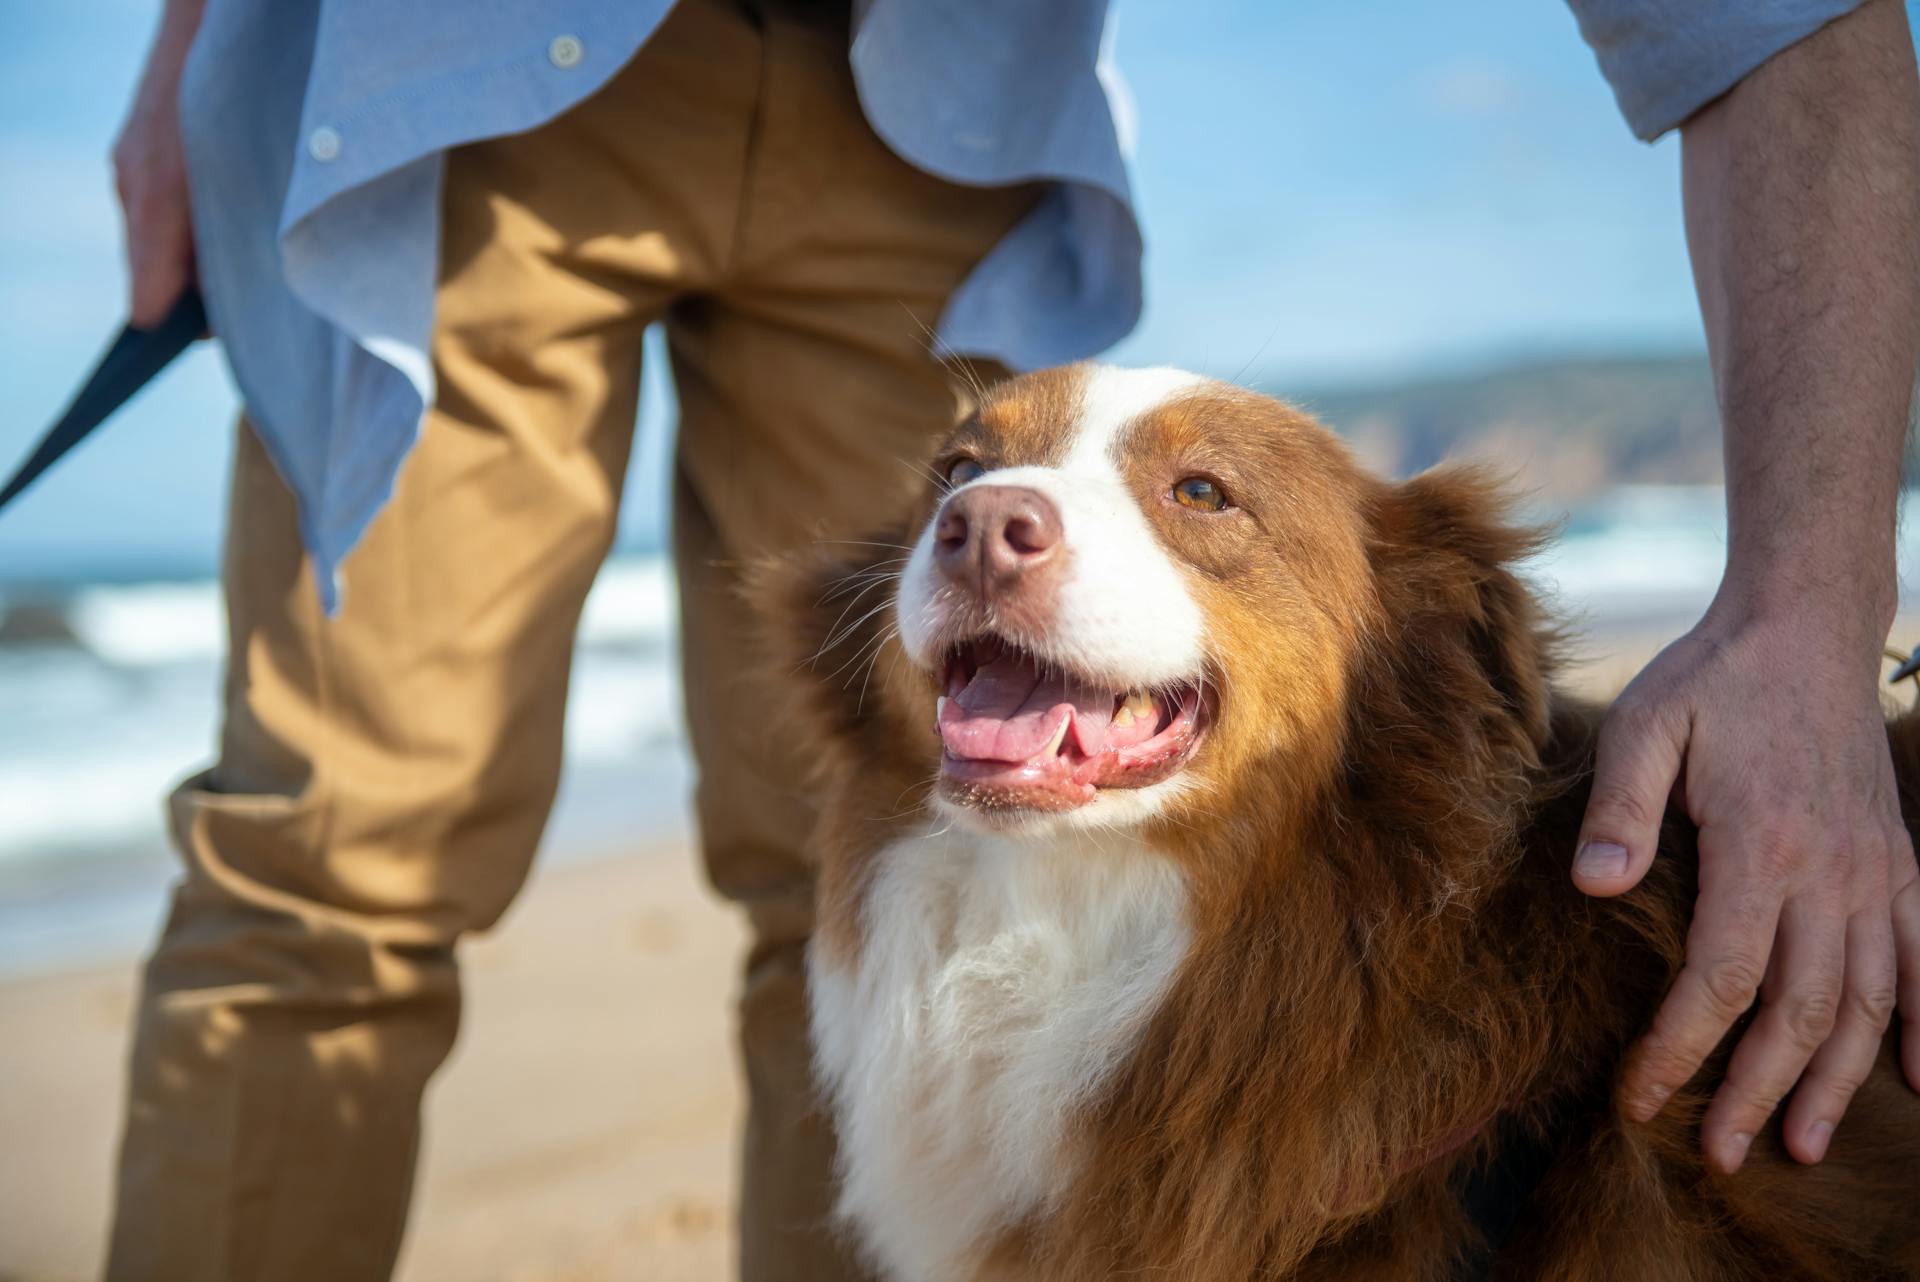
998, 983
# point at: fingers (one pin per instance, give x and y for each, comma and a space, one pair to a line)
1727, 949
1843, 1062
160, 276
150, 177
1906, 948
1801, 1006
1635, 764
159, 250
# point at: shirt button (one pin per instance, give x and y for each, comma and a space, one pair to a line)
566, 52
323, 144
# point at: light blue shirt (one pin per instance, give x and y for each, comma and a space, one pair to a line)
315, 132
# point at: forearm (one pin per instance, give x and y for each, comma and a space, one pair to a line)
159, 85
179, 23
1802, 189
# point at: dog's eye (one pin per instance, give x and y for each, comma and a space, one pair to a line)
962, 470
1199, 493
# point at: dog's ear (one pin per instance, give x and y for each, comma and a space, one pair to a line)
1462, 630
827, 627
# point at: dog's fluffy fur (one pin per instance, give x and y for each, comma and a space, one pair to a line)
1260, 1020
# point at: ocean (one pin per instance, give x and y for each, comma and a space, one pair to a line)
109, 695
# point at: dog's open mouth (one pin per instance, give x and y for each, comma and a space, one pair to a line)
1022, 734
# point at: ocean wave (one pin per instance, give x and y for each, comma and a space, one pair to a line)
151, 624
99, 726
148, 625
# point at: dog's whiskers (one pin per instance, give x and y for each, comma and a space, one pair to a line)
886, 635
846, 633
867, 577
841, 631
920, 468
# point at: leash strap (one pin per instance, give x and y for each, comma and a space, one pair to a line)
129, 365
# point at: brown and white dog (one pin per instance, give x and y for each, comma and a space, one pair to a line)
1195, 902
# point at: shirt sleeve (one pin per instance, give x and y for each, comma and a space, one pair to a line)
1666, 59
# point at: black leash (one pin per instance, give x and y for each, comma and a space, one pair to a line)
129, 365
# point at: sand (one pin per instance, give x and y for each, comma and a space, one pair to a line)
585, 1128
582, 1132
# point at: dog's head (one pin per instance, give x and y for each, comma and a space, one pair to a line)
1130, 596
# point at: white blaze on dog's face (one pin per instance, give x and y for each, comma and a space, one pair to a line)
1120, 564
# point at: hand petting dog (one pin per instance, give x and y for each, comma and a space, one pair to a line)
1765, 715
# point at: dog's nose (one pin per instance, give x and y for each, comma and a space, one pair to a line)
990, 535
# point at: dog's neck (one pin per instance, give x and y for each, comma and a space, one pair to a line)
1000, 984
1343, 1030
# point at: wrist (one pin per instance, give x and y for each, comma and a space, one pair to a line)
167, 56
179, 24
1826, 559
1849, 608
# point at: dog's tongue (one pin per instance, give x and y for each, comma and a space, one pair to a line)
1012, 712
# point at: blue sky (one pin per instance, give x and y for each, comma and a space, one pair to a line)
1331, 190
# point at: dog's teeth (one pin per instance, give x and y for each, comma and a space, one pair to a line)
1059, 737
1139, 704
1124, 717
940, 708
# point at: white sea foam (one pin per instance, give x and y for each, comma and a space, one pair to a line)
151, 624
92, 737
1637, 552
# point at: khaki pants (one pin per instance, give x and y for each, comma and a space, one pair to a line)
384, 775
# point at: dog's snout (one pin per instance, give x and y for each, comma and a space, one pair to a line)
989, 536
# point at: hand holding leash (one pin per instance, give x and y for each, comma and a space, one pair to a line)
150, 175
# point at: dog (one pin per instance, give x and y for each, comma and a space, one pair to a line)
1197, 812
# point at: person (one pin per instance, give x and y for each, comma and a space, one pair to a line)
430, 237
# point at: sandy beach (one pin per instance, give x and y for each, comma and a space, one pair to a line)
584, 1130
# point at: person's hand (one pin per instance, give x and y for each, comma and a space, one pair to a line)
150, 175
1772, 729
